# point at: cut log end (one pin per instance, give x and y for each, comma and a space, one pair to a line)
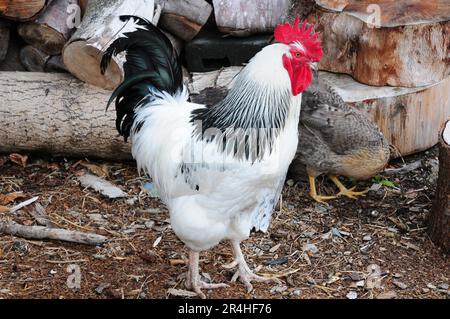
33, 59
22, 10
43, 37
80, 53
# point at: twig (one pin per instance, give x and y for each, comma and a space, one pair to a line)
404, 169
66, 261
23, 204
41, 232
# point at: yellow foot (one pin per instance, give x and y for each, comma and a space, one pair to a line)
321, 199
350, 193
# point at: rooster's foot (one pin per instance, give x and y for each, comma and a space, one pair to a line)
244, 274
193, 281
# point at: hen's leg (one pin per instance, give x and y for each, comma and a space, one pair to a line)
344, 190
313, 191
245, 275
193, 280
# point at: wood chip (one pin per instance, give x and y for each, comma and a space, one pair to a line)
387, 295
19, 159
181, 293
23, 204
102, 186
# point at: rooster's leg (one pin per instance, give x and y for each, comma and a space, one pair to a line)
344, 190
313, 191
193, 280
245, 275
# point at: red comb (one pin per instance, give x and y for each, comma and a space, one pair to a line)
303, 33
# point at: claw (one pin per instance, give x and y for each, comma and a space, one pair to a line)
351, 194
244, 274
193, 281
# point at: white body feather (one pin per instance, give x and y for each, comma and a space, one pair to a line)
221, 197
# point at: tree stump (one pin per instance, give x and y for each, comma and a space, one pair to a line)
99, 28
22, 10
56, 114
185, 18
243, 17
51, 30
439, 223
4, 39
385, 42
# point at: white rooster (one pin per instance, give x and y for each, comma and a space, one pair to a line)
220, 170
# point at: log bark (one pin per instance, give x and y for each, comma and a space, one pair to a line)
57, 114
4, 39
185, 18
439, 222
402, 43
301, 9
99, 27
51, 30
243, 17
83, 5
33, 59
22, 10
41, 232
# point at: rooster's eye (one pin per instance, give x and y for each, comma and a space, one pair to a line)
297, 54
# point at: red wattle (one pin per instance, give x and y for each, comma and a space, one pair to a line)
299, 73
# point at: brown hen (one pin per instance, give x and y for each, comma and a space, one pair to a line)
336, 139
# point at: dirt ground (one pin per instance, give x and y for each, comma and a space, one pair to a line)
373, 247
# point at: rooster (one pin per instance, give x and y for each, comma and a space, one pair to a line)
220, 169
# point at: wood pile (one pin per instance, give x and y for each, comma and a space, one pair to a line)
392, 63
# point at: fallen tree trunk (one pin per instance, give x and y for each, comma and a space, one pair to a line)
99, 28
57, 114
4, 39
22, 10
51, 30
439, 223
41, 232
385, 42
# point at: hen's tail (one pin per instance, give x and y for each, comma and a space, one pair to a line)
151, 66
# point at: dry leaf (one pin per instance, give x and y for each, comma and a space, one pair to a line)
11, 197
19, 159
99, 170
4, 209
53, 166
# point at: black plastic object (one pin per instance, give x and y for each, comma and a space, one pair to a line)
211, 51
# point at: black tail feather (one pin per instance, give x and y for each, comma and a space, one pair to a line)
151, 64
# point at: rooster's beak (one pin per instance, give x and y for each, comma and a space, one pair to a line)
313, 65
